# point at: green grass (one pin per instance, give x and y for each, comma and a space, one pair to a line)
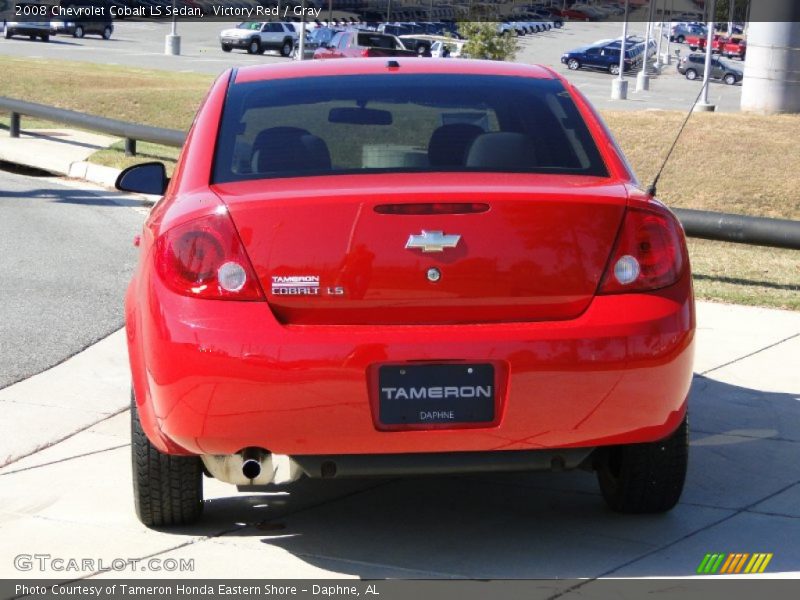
724, 162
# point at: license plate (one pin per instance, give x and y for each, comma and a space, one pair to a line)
435, 394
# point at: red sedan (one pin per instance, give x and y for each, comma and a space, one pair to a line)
394, 266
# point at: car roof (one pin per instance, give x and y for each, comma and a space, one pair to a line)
374, 66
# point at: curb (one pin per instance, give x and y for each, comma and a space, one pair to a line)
97, 174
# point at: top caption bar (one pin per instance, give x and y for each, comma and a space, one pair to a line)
375, 11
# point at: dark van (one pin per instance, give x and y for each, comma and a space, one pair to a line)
84, 17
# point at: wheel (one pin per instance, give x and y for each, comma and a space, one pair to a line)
573, 64
46, 37
167, 490
226, 47
78, 33
287, 47
32, 38
730, 79
692, 48
7, 33
254, 47
680, 39
645, 478
691, 74
613, 69
107, 33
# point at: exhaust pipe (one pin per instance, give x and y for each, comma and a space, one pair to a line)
251, 463
252, 466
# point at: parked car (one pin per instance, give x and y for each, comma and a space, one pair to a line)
317, 38
734, 46
694, 67
84, 22
448, 48
680, 31
360, 44
600, 57
258, 36
35, 23
441, 267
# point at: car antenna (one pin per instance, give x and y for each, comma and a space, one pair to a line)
651, 189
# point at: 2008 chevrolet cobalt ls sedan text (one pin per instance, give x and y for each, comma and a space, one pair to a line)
401, 267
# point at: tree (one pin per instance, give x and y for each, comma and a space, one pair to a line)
483, 41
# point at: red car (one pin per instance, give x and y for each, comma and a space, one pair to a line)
398, 266
362, 44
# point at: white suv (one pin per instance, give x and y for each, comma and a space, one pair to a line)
258, 36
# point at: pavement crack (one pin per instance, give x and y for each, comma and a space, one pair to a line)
63, 460
741, 358
52, 443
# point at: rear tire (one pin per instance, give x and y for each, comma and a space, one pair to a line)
78, 33
46, 38
691, 74
107, 33
286, 49
614, 69
645, 478
7, 33
680, 39
729, 79
167, 490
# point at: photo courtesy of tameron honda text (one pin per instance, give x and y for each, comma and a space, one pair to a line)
399, 265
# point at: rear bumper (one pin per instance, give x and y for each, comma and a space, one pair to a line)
213, 377
235, 42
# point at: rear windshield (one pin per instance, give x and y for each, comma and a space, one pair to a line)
401, 123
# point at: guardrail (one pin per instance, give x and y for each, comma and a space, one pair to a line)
739, 229
131, 132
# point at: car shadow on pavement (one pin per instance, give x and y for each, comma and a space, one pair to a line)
65, 195
543, 525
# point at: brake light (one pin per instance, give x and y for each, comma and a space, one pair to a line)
205, 258
649, 254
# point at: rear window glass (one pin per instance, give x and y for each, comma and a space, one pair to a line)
390, 123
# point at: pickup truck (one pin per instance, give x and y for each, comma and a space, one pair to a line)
733, 46
355, 44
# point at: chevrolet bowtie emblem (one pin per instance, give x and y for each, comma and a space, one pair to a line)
432, 241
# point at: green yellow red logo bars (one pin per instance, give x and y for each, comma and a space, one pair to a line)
730, 563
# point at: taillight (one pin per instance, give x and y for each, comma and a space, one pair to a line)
649, 253
205, 258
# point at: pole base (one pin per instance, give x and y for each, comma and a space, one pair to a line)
172, 45
642, 82
703, 107
619, 89
666, 59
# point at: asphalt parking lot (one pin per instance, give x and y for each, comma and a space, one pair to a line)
141, 44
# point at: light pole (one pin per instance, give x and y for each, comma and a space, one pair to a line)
301, 49
660, 34
704, 105
172, 43
643, 79
619, 87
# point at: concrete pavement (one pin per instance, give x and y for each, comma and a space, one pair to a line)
60, 151
72, 499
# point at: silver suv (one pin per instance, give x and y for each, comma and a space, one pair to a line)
258, 36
